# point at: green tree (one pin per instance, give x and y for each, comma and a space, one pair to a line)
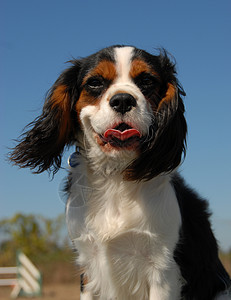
34, 235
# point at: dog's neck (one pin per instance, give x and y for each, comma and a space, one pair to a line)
123, 205
100, 164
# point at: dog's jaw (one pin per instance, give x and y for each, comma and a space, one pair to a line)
108, 154
103, 158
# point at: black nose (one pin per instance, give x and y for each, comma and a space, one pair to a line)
122, 102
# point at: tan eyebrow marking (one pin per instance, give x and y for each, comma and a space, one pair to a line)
139, 66
105, 68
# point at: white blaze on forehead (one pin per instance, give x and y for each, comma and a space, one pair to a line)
123, 58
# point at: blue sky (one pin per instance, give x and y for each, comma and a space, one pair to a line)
38, 37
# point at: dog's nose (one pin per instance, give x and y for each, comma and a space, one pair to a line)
122, 102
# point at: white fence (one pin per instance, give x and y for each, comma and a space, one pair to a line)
27, 280
10, 274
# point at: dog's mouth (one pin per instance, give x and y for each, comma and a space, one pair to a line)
122, 132
122, 135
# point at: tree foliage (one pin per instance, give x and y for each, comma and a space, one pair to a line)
34, 235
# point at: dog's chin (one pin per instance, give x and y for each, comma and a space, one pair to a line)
114, 144
110, 157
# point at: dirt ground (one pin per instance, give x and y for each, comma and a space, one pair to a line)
61, 281
50, 292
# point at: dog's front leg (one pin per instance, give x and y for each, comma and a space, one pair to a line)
160, 293
86, 296
167, 288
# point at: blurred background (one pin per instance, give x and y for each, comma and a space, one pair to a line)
37, 38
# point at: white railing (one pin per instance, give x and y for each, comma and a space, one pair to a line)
8, 272
27, 279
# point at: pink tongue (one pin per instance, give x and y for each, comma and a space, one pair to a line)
122, 135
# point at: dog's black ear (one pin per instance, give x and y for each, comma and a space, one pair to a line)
41, 146
162, 153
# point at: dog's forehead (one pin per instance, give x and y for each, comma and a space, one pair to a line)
118, 61
123, 59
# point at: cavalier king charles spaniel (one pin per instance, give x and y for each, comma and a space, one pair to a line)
141, 233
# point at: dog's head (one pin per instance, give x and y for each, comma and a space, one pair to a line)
122, 105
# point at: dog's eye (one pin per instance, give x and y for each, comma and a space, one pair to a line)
146, 82
95, 83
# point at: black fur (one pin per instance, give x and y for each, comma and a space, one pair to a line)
197, 250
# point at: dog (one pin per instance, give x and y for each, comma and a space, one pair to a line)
141, 233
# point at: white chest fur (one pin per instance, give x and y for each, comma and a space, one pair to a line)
126, 236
